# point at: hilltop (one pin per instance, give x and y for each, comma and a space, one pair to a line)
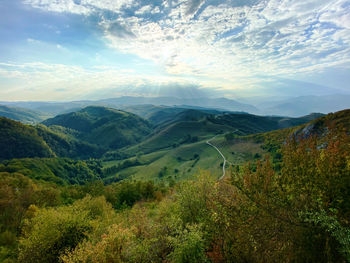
104, 127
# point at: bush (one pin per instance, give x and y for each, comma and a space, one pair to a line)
189, 246
111, 248
52, 231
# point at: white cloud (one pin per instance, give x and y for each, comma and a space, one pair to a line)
68, 6
144, 10
228, 43
79, 6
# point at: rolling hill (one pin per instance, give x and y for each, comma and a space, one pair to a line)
176, 134
249, 124
63, 142
18, 140
94, 130
181, 147
160, 115
188, 126
21, 114
104, 127
272, 141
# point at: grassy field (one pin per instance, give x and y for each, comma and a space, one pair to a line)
187, 160
178, 163
238, 151
177, 134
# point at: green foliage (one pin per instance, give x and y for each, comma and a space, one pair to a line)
189, 246
163, 172
25, 141
189, 139
175, 134
166, 116
308, 199
17, 194
104, 127
112, 170
21, 199
53, 231
251, 124
230, 136
147, 233
128, 193
193, 199
61, 171
65, 142
111, 248
332, 226
316, 173
18, 140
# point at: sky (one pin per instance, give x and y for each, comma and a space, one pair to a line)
94, 49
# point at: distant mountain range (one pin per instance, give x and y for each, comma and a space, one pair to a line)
22, 114
214, 103
292, 107
55, 108
306, 104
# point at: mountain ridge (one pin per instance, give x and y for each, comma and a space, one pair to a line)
105, 127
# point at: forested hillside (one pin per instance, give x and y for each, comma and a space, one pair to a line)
105, 127
93, 131
65, 142
18, 140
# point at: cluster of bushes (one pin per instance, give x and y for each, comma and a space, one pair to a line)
123, 165
62, 171
22, 199
189, 139
90, 230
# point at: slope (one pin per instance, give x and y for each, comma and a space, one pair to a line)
18, 140
104, 127
167, 155
178, 133
63, 143
21, 114
250, 124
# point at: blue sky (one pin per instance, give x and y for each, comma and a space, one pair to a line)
89, 49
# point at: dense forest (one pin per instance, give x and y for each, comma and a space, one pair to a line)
288, 200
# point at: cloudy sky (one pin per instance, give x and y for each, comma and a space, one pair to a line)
92, 49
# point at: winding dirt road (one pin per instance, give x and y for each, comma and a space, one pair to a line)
223, 157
